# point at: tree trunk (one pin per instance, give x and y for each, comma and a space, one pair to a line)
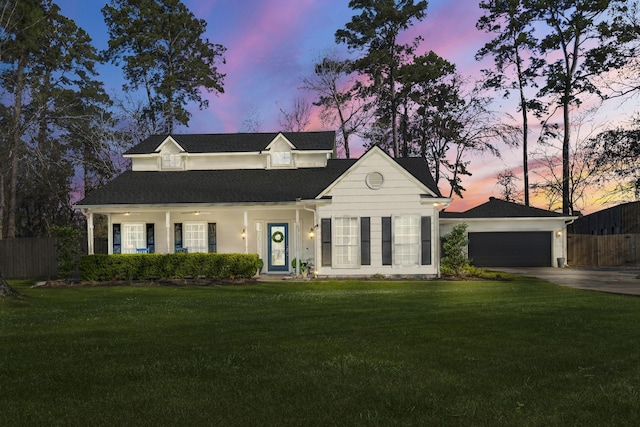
5, 289
15, 150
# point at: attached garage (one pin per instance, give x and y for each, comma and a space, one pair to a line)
507, 234
510, 249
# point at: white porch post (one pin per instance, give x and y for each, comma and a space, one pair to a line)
167, 220
109, 235
90, 248
296, 241
246, 232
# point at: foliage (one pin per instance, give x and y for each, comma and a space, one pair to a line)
303, 265
47, 90
68, 249
517, 353
585, 40
514, 47
163, 50
168, 266
337, 93
376, 30
454, 246
616, 154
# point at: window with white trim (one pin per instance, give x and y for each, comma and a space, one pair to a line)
194, 236
134, 236
171, 161
406, 240
281, 158
346, 242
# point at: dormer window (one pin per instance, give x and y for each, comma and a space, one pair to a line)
281, 158
171, 161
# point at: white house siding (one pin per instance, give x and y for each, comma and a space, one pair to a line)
226, 162
555, 226
351, 197
230, 222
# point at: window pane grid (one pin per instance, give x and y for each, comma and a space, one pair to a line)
195, 237
346, 242
406, 240
133, 237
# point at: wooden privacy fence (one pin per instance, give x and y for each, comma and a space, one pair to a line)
28, 258
614, 250
36, 258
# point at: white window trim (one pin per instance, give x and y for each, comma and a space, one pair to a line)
171, 161
128, 245
397, 244
336, 262
281, 159
191, 247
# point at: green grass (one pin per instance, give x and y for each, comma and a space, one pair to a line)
520, 352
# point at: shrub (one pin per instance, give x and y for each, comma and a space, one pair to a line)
68, 249
455, 258
168, 266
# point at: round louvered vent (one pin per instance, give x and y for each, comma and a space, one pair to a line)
374, 180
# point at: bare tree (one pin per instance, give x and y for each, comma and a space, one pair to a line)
337, 91
584, 176
296, 119
507, 185
252, 122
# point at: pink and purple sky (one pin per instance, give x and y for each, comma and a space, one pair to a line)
272, 44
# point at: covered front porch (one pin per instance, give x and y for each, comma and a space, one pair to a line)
277, 233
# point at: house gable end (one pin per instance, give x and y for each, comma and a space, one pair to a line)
170, 146
382, 168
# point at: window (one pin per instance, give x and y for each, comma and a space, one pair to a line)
281, 158
134, 236
346, 242
194, 237
406, 240
171, 161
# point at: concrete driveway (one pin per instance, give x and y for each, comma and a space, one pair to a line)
618, 281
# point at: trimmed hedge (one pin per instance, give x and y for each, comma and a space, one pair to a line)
168, 266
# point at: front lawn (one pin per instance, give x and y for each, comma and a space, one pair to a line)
520, 352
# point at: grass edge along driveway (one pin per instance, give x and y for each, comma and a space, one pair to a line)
519, 352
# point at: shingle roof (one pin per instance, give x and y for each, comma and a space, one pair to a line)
237, 142
232, 186
497, 208
419, 168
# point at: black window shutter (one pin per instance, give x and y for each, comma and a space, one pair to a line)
425, 236
386, 241
117, 239
325, 235
151, 240
212, 237
365, 241
177, 237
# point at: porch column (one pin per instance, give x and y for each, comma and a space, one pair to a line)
296, 242
246, 232
167, 217
109, 235
90, 248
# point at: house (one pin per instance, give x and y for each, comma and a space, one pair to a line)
285, 196
507, 234
282, 196
620, 219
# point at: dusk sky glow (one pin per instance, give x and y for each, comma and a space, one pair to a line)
272, 44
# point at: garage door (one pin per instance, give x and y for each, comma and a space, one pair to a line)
522, 249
